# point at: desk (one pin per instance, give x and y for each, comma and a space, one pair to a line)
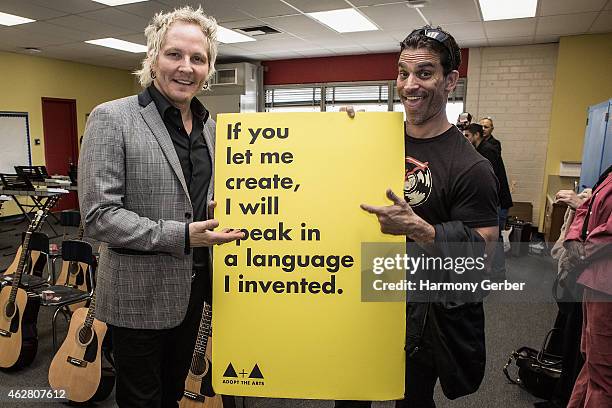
36, 196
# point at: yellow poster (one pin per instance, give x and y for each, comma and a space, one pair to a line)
288, 319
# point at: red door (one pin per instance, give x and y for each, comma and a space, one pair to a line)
60, 132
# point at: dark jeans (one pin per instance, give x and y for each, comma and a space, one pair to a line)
421, 378
151, 365
499, 258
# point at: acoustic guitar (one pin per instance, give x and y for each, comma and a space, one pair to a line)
17, 310
77, 365
198, 385
74, 274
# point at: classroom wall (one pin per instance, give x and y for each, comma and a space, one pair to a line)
24, 80
514, 86
582, 79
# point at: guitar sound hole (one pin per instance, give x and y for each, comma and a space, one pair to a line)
10, 309
85, 335
200, 367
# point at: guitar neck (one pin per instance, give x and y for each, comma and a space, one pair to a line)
204, 332
91, 313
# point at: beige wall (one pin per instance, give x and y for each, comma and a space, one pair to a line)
582, 79
24, 80
514, 85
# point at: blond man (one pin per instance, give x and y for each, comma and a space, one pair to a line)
146, 183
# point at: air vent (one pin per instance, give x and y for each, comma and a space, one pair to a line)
259, 30
225, 77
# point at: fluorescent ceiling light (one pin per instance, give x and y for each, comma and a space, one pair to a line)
118, 2
505, 10
11, 20
344, 20
119, 45
228, 36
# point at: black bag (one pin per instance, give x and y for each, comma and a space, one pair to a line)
538, 371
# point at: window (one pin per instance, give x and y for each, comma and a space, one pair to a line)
369, 96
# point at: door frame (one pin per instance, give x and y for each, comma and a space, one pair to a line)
73, 118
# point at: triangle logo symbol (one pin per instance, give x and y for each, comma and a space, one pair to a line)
256, 372
230, 372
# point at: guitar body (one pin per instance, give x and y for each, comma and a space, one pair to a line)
74, 274
18, 334
36, 263
198, 386
77, 366
13, 266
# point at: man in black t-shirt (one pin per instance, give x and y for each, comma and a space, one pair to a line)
450, 195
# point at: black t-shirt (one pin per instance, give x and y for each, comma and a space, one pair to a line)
447, 180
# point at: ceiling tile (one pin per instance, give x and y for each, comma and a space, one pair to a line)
17, 38
554, 7
501, 41
393, 17
145, 9
97, 29
69, 6
565, 24
117, 18
509, 28
79, 50
311, 6
225, 10
349, 50
370, 38
299, 25
28, 10
264, 8
603, 23
457, 11
137, 38
381, 48
466, 31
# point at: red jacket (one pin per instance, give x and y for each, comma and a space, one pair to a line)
598, 243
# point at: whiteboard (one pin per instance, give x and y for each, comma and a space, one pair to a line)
14, 141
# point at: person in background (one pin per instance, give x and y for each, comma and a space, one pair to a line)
475, 133
463, 120
588, 245
487, 132
145, 189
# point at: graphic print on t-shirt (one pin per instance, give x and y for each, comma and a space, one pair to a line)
417, 181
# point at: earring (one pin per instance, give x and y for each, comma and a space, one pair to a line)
206, 86
153, 75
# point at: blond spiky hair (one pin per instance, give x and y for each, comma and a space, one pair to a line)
156, 34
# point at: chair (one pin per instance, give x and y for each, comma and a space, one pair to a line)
75, 251
70, 218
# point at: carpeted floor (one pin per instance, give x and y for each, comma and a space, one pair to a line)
512, 321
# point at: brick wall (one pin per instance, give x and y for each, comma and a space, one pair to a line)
514, 85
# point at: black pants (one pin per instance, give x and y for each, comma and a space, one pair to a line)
152, 365
421, 378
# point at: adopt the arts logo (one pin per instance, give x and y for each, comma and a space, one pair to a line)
243, 377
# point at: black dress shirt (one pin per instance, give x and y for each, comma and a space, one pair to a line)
194, 157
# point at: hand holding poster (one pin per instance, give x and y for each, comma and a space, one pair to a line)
288, 320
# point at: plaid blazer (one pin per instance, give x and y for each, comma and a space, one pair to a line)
134, 199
